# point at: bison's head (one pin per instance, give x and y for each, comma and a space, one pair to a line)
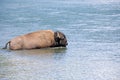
60, 39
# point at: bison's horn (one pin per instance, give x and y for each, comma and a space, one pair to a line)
58, 34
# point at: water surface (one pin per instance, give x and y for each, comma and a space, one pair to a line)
91, 27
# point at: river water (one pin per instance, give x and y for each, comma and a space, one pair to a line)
92, 28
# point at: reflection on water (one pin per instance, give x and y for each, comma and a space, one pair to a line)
43, 51
30, 63
55, 53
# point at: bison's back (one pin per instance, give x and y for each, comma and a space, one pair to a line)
39, 39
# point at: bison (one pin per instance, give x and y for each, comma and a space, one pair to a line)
37, 40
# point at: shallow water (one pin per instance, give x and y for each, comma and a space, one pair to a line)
91, 27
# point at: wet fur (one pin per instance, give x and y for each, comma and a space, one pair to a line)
38, 39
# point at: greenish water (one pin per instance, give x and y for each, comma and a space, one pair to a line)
91, 27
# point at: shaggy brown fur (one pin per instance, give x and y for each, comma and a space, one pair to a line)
38, 39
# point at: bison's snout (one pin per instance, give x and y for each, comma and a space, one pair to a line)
66, 43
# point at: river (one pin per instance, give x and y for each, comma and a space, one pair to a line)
91, 27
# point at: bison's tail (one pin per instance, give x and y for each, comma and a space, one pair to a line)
6, 45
